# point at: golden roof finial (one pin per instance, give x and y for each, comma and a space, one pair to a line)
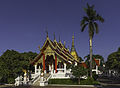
59, 39
47, 31
68, 47
39, 47
54, 36
64, 43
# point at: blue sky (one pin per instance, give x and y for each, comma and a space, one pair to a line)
23, 24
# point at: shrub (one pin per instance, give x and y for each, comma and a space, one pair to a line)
88, 81
62, 81
11, 80
95, 76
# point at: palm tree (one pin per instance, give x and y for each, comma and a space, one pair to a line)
90, 20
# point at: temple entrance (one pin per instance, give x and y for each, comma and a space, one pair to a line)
48, 63
47, 68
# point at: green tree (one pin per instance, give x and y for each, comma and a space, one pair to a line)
94, 57
78, 72
93, 61
80, 59
90, 20
119, 49
27, 57
9, 66
113, 61
12, 63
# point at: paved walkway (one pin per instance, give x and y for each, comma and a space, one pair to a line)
109, 82
52, 86
76, 86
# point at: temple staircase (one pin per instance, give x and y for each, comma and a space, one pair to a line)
44, 80
33, 81
47, 76
37, 82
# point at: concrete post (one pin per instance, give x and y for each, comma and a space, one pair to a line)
35, 69
25, 78
55, 64
96, 69
65, 68
75, 63
52, 69
43, 62
39, 70
49, 68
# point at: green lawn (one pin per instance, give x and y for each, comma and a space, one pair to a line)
73, 81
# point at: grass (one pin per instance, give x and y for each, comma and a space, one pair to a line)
73, 81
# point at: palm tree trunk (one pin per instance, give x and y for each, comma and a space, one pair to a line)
90, 56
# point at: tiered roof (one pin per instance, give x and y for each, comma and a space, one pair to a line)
58, 48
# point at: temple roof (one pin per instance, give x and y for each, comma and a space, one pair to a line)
58, 48
97, 61
83, 64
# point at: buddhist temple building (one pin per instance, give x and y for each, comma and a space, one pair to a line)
53, 61
54, 58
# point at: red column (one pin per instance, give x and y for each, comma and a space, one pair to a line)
55, 63
43, 62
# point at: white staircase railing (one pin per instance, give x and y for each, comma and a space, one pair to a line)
49, 76
46, 77
34, 80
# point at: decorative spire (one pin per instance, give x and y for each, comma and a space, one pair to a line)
54, 36
64, 43
47, 31
47, 34
73, 46
59, 39
73, 40
68, 48
39, 47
